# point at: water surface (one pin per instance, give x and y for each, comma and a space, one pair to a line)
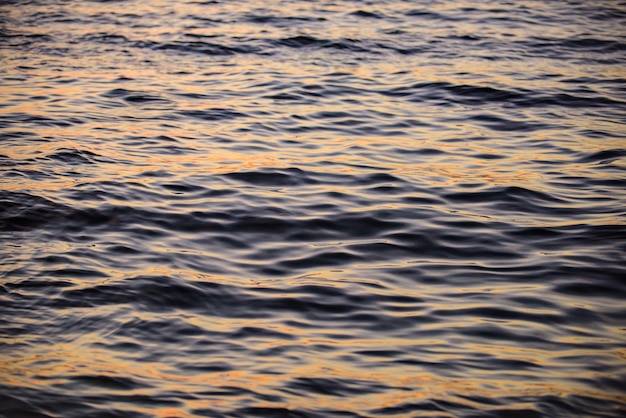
312, 208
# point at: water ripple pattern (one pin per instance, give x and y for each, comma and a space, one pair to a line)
327, 208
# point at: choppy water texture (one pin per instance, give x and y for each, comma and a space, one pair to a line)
324, 208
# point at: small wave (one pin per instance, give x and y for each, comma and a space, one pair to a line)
212, 114
280, 21
196, 47
134, 97
11, 120
106, 38
367, 15
604, 157
312, 209
274, 178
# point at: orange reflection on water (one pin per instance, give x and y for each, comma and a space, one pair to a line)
107, 132
397, 384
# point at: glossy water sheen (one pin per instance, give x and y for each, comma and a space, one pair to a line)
324, 208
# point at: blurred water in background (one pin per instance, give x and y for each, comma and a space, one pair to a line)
325, 208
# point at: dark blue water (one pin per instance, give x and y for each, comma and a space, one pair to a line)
324, 208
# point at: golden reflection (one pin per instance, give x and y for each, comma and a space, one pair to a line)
168, 412
402, 384
111, 131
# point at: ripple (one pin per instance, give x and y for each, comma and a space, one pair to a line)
312, 209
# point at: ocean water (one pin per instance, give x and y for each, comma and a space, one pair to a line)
323, 208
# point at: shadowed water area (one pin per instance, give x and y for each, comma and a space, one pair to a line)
325, 208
